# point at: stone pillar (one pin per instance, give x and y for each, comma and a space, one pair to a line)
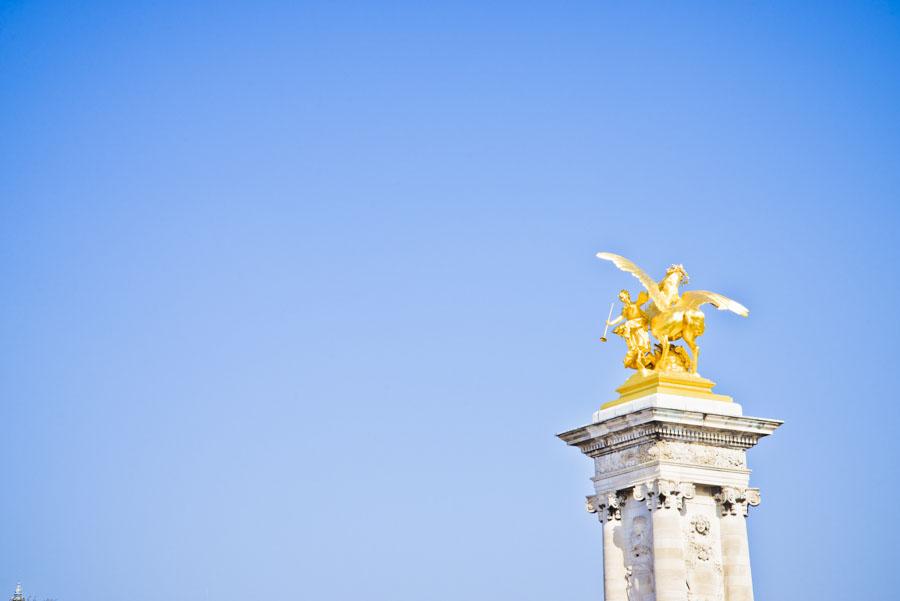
665, 501
672, 490
614, 578
608, 507
734, 504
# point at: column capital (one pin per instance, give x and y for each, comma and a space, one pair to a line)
663, 494
732, 500
607, 505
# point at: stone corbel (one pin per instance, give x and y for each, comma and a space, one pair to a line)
607, 506
664, 494
737, 501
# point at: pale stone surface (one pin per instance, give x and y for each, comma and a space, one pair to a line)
613, 563
672, 492
668, 401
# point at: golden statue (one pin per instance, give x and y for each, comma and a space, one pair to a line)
669, 317
634, 330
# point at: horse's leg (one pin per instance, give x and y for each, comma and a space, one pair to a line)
664, 342
690, 339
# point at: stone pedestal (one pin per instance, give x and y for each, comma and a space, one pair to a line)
672, 490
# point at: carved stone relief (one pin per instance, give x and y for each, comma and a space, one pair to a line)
697, 454
664, 494
678, 452
607, 506
736, 501
700, 524
639, 583
703, 564
625, 458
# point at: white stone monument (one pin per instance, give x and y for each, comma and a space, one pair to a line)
671, 483
672, 489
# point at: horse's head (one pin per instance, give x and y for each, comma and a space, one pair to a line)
675, 276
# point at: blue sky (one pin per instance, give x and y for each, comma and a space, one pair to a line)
296, 295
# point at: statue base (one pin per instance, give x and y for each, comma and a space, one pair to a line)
646, 382
672, 489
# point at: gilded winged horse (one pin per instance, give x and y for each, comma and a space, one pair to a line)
673, 315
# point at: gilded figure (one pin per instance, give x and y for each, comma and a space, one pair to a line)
633, 330
669, 316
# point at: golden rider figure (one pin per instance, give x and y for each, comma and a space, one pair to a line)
633, 330
671, 316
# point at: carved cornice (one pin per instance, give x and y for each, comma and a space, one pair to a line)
663, 494
659, 423
732, 500
665, 431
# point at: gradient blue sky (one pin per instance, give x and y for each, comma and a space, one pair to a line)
296, 295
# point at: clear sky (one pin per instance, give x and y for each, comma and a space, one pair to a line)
296, 295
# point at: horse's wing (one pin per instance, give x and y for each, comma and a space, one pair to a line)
692, 299
629, 267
